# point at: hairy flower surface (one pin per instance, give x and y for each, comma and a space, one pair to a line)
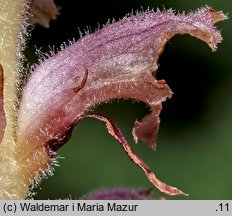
117, 61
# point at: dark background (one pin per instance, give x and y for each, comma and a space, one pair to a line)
195, 139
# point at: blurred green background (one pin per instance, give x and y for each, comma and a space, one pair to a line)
194, 151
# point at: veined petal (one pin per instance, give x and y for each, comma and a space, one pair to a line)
117, 61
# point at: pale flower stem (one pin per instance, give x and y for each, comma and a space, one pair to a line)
10, 35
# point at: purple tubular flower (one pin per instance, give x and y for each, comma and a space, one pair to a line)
117, 61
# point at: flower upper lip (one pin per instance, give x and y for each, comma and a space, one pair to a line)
114, 62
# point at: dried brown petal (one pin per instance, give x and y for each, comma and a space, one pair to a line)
43, 11
116, 133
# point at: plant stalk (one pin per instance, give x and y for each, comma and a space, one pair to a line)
12, 13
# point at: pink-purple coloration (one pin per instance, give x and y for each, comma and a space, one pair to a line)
2, 114
120, 194
117, 61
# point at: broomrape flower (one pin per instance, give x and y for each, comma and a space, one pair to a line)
117, 61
